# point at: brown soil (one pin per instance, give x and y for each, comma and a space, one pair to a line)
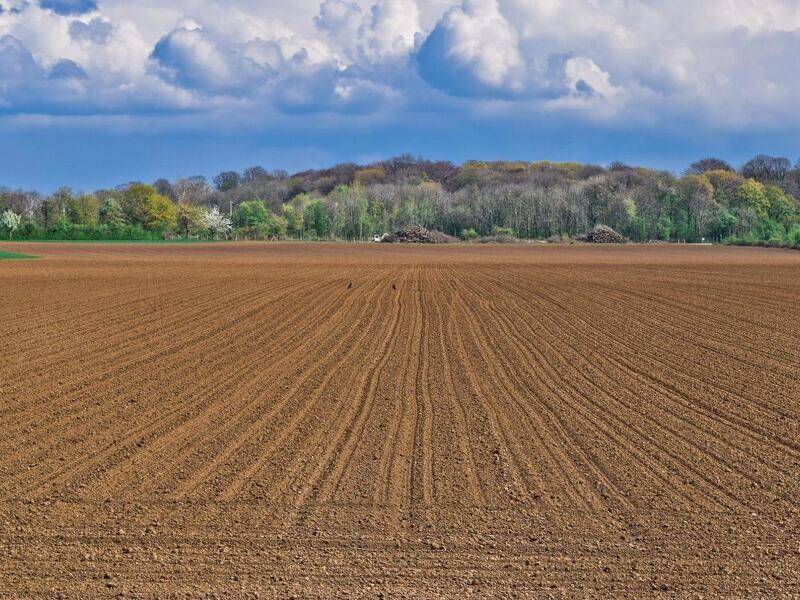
235, 421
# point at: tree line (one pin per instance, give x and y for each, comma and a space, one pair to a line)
756, 203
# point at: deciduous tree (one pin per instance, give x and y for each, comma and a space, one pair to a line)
11, 222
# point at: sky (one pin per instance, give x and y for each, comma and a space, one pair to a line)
95, 93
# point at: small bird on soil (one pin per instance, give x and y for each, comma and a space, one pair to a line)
394, 287
349, 285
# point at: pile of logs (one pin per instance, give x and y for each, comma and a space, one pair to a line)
602, 234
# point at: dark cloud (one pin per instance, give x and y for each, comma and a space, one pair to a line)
194, 59
96, 31
17, 9
69, 7
17, 64
324, 88
584, 88
67, 69
28, 86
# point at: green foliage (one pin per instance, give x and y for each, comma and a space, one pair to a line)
752, 194
507, 231
664, 228
353, 219
254, 220
781, 209
83, 210
469, 234
49, 212
724, 224
134, 200
111, 214
499, 199
293, 215
637, 230
249, 215
770, 230
67, 231
793, 237
315, 216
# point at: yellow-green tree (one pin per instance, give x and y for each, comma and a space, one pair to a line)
370, 175
144, 206
161, 213
726, 185
752, 194
697, 194
83, 209
782, 208
293, 214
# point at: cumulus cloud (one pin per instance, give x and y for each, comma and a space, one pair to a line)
475, 50
16, 62
190, 57
729, 65
583, 76
24, 81
67, 69
387, 32
390, 29
327, 88
472, 51
339, 18
667, 59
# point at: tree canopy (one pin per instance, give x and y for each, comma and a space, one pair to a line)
539, 199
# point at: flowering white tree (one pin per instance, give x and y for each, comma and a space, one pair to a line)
216, 222
11, 221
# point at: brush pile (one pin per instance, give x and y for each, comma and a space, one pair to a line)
417, 235
603, 234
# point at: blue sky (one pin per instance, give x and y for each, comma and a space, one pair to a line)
96, 93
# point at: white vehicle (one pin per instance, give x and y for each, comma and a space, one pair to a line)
377, 238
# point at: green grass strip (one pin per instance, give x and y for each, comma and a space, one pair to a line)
15, 256
141, 242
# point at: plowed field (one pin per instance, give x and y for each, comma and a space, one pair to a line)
323, 421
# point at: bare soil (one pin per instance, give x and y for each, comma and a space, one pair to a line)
238, 421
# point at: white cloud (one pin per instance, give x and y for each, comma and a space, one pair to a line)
390, 30
584, 77
340, 19
385, 33
727, 63
477, 50
474, 50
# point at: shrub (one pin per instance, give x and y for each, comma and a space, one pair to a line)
503, 231
793, 237
499, 239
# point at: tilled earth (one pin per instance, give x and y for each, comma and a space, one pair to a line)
324, 421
